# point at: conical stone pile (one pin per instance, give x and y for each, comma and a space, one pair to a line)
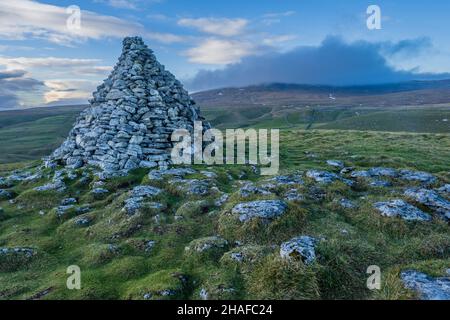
131, 116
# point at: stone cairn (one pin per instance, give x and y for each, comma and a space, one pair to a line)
131, 117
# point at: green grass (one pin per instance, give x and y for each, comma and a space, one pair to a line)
111, 250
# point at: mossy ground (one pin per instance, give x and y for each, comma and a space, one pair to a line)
116, 262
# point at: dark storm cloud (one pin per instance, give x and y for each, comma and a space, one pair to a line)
11, 84
406, 48
333, 62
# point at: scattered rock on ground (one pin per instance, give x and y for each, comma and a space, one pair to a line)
346, 203
250, 188
430, 199
68, 201
4, 194
263, 209
420, 176
335, 163
321, 176
174, 172
302, 247
207, 243
293, 195
428, 288
400, 208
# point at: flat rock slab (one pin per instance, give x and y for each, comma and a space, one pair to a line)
193, 186
4, 194
302, 247
288, 179
28, 252
207, 243
427, 287
322, 176
250, 188
419, 176
335, 163
375, 172
430, 199
263, 209
145, 191
401, 209
175, 172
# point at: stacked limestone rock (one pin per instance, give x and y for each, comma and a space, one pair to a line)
131, 116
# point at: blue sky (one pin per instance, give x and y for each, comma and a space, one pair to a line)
218, 43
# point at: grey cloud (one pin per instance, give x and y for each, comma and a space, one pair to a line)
11, 84
333, 62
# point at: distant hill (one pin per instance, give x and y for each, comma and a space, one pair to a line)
11, 117
420, 106
278, 94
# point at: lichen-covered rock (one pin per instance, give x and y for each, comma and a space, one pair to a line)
4, 194
288, 179
62, 210
445, 189
12, 259
221, 200
193, 208
293, 195
193, 186
174, 172
402, 209
375, 172
430, 199
419, 176
207, 244
428, 288
262, 209
145, 191
321, 176
335, 163
133, 204
345, 203
250, 188
209, 174
57, 185
302, 247
131, 116
380, 183
68, 201
82, 221
249, 254
99, 191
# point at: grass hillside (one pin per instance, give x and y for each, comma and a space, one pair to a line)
32, 134
192, 246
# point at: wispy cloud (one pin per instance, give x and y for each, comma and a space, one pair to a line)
23, 19
275, 17
278, 39
18, 80
217, 26
63, 91
279, 14
219, 51
12, 84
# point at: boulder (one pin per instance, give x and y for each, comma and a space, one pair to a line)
262, 209
336, 163
427, 287
430, 199
302, 248
206, 244
417, 176
400, 208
